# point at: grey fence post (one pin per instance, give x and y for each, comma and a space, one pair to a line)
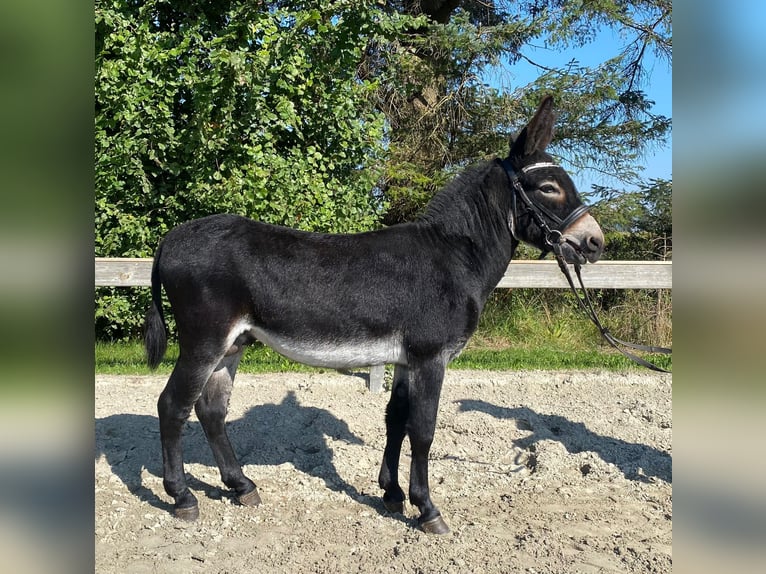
376, 378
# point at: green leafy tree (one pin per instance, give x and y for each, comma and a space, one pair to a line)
229, 106
442, 114
638, 225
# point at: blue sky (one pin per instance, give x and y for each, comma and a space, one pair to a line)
721, 84
658, 87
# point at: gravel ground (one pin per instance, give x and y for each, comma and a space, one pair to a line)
544, 471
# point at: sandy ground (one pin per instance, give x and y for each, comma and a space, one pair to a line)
537, 472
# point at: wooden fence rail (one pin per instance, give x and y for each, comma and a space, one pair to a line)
127, 272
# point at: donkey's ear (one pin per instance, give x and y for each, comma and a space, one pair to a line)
538, 133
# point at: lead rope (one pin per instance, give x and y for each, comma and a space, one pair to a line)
587, 308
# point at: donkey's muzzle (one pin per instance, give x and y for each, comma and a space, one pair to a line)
582, 241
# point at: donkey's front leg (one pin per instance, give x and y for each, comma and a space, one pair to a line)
425, 389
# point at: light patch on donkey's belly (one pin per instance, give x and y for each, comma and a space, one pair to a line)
342, 354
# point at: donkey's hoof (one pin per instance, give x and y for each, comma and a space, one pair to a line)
188, 513
394, 506
435, 526
251, 498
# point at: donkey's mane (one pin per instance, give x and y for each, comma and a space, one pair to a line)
463, 203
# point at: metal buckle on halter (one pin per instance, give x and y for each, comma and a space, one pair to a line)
549, 235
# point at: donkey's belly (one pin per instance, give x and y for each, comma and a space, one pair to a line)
334, 353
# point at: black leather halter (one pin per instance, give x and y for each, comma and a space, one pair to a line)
552, 233
553, 238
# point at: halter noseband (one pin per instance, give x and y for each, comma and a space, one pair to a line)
552, 233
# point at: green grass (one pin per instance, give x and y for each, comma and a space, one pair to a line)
521, 359
522, 329
128, 359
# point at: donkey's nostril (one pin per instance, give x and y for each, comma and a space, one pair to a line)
595, 243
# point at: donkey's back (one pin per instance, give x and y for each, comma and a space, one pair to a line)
329, 300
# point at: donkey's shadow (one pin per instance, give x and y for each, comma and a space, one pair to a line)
637, 462
268, 434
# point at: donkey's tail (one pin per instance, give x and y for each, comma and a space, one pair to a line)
155, 330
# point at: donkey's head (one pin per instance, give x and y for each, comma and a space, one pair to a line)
547, 210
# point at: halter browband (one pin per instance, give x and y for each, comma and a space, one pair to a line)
538, 165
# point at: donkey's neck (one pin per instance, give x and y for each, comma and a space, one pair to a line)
472, 215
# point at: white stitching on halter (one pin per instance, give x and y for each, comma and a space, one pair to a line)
538, 166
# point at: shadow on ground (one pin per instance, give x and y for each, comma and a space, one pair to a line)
269, 434
576, 437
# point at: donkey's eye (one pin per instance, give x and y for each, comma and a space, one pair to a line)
549, 189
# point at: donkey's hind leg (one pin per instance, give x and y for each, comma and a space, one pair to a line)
397, 412
191, 372
211, 409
